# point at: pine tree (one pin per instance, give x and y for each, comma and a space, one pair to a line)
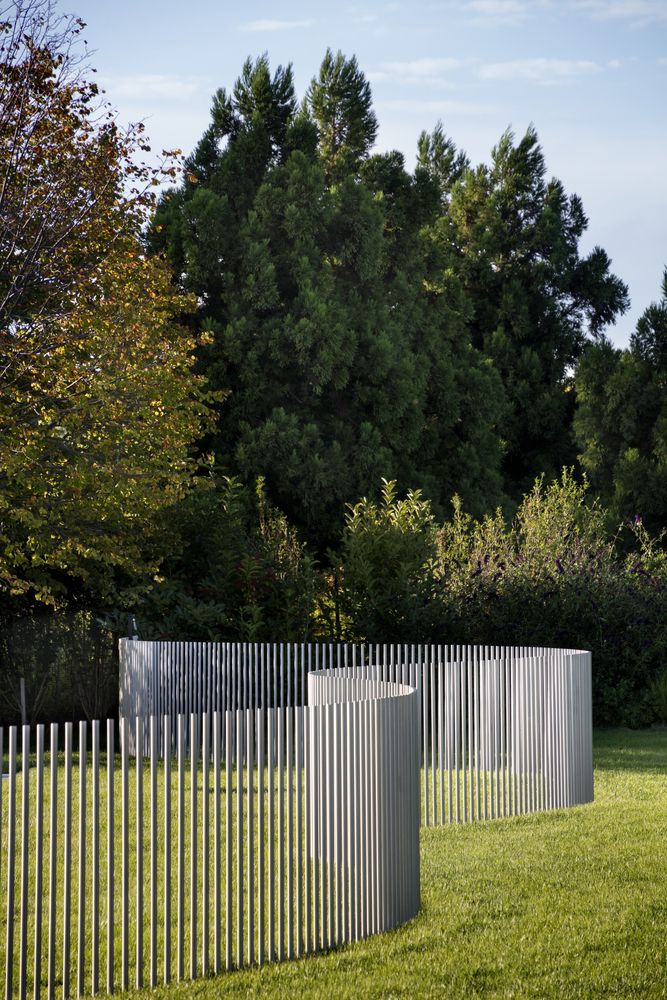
535, 299
621, 419
340, 102
334, 317
438, 158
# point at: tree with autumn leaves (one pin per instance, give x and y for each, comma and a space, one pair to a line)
99, 404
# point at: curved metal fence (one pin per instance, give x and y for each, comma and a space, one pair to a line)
368, 822
502, 730
273, 808
239, 836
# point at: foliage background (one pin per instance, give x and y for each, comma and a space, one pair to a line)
308, 392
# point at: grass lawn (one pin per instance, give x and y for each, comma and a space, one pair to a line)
567, 904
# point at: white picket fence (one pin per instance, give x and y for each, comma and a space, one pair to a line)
275, 805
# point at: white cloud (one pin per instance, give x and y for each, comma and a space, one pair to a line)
418, 71
439, 107
538, 70
641, 11
493, 13
498, 8
150, 85
662, 62
274, 25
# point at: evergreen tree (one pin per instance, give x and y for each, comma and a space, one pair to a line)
535, 299
197, 225
334, 317
340, 102
621, 419
438, 157
460, 395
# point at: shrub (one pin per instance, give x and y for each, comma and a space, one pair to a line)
658, 696
388, 559
552, 577
239, 571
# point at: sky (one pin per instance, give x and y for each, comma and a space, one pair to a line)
590, 75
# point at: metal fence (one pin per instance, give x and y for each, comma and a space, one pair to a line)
244, 836
503, 730
274, 806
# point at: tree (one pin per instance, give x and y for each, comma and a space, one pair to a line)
535, 298
340, 102
70, 186
621, 419
196, 226
438, 157
335, 320
98, 402
309, 348
95, 434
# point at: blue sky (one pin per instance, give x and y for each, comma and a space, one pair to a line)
591, 75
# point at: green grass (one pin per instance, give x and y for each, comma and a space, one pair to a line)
567, 904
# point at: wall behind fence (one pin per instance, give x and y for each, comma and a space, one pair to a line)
503, 731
